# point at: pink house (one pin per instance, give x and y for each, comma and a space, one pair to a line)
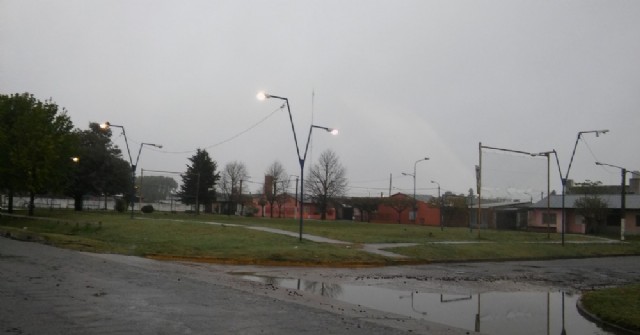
541, 218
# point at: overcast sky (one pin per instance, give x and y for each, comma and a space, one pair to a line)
402, 80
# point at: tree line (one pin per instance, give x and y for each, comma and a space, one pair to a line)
41, 152
327, 183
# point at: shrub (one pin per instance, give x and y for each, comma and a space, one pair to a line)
250, 211
121, 205
147, 209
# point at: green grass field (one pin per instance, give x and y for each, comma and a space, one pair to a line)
193, 236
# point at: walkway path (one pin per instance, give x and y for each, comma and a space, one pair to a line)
374, 248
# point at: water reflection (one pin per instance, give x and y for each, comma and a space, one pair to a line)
552, 312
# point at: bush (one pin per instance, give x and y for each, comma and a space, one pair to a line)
121, 205
250, 211
147, 209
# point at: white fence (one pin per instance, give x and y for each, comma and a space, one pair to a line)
93, 204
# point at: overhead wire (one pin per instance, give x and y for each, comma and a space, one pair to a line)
229, 139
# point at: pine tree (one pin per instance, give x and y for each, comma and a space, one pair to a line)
198, 183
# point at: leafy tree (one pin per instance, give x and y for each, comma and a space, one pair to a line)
37, 145
366, 205
327, 181
198, 182
155, 188
280, 183
100, 169
399, 203
590, 206
233, 174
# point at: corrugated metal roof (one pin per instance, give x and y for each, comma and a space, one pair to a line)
612, 200
504, 204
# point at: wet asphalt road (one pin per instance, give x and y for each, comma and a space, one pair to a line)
46, 290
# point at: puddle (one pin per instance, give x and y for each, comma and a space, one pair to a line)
498, 313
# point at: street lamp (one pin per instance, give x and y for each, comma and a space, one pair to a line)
440, 203
548, 155
108, 125
295, 213
415, 202
566, 176
303, 157
623, 192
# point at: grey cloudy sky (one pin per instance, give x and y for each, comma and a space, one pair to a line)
400, 79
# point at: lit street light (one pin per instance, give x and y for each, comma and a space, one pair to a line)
415, 201
132, 196
301, 158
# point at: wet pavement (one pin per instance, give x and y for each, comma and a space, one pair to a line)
46, 290
56, 291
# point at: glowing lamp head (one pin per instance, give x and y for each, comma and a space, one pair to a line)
262, 96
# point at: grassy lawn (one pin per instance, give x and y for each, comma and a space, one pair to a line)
117, 233
194, 237
363, 232
620, 305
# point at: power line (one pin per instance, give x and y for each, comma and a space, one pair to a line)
233, 137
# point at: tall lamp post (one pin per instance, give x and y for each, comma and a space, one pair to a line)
303, 157
415, 202
623, 192
548, 155
566, 176
295, 213
108, 125
440, 205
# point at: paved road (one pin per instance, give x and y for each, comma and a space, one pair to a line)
46, 290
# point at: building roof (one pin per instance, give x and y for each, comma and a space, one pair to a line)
501, 204
613, 201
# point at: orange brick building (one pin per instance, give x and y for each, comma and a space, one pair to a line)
425, 214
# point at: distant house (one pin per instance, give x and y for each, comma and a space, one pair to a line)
289, 209
540, 217
511, 215
425, 214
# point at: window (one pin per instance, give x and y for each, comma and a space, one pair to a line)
613, 220
549, 218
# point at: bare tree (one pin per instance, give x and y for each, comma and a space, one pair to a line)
233, 174
279, 183
326, 181
399, 203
